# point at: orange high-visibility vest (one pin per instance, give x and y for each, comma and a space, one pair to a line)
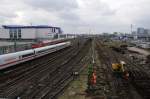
126, 75
94, 76
93, 79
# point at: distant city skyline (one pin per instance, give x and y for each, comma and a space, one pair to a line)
78, 16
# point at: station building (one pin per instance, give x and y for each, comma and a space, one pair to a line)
19, 32
23, 36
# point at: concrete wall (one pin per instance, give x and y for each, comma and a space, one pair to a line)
4, 33
31, 33
44, 33
56, 30
28, 33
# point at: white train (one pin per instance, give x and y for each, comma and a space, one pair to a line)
11, 59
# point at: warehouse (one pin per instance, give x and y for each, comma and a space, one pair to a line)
19, 32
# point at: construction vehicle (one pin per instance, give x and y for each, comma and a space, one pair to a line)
119, 70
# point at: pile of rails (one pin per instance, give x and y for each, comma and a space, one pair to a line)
121, 49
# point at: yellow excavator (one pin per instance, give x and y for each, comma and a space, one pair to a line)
119, 70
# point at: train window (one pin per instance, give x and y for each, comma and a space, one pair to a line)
42, 51
27, 55
45, 50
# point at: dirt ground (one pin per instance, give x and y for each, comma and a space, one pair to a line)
76, 89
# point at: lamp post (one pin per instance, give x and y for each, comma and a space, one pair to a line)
15, 41
15, 44
131, 28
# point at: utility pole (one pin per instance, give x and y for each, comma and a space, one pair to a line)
131, 28
15, 43
93, 49
15, 40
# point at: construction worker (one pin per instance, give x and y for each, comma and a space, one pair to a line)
93, 79
126, 75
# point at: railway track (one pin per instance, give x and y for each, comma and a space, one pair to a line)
120, 87
24, 76
43, 77
139, 77
74, 62
141, 82
63, 75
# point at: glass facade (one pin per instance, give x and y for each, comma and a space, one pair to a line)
19, 33
11, 34
15, 33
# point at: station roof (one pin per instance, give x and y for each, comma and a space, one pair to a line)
22, 26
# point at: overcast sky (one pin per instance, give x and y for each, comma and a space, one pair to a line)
78, 16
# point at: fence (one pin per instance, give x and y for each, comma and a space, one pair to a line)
11, 48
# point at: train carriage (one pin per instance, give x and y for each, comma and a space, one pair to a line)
11, 59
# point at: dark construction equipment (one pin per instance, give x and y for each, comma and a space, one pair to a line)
119, 71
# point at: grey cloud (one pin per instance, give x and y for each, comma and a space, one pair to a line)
98, 7
64, 10
53, 5
143, 22
9, 9
77, 15
108, 12
69, 15
7, 14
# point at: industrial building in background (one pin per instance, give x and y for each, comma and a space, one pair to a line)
15, 38
141, 34
30, 33
18, 37
139, 37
